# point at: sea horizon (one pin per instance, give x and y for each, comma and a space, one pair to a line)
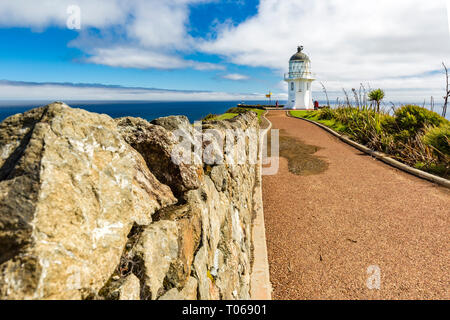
149, 110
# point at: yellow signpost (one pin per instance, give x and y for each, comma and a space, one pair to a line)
269, 96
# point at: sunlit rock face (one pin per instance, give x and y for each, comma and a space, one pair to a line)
156, 144
94, 208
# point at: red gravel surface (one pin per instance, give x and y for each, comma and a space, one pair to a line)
325, 230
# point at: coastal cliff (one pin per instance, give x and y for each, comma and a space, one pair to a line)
96, 208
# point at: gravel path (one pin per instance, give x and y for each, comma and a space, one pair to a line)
325, 229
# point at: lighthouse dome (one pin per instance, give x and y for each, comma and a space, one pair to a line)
299, 55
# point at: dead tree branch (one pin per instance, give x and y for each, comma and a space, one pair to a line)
326, 94
447, 91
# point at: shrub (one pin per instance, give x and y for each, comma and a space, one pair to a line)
414, 135
325, 114
414, 118
403, 135
376, 96
210, 117
439, 138
237, 110
388, 123
433, 168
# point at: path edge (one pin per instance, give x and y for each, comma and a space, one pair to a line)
381, 156
260, 286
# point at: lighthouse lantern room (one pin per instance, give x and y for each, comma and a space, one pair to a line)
299, 81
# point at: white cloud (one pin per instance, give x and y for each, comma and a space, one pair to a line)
145, 59
160, 24
151, 32
398, 90
10, 90
43, 13
348, 41
391, 44
448, 12
235, 77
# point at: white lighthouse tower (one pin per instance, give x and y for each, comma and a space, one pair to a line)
299, 80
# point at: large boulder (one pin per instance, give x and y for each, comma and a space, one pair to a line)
174, 123
189, 292
156, 250
71, 189
157, 145
96, 208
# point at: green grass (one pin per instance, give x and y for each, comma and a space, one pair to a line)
259, 112
312, 115
225, 116
301, 113
231, 115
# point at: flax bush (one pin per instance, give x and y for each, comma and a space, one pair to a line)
438, 138
413, 135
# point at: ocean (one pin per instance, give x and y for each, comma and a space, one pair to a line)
149, 110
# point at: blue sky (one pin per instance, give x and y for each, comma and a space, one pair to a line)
219, 50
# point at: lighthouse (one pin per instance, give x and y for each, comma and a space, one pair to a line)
299, 79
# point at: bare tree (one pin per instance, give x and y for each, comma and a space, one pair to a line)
355, 94
447, 92
326, 94
346, 97
364, 100
393, 107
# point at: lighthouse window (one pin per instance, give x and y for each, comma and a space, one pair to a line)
309, 85
296, 66
292, 86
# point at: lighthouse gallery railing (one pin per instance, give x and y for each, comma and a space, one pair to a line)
297, 75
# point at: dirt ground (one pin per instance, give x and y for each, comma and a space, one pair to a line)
330, 221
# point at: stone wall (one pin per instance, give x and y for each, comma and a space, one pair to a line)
97, 208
